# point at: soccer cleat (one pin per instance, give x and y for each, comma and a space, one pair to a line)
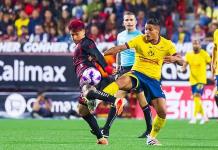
91, 104
193, 121
152, 141
102, 141
104, 132
144, 135
204, 120
119, 103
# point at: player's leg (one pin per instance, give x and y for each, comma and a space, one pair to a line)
155, 96
112, 113
147, 113
216, 94
92, 122
198, 94
159, 105
87, 84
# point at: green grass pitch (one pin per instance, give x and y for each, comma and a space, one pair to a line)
75, 135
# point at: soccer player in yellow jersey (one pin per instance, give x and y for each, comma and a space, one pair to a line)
214, 65
151, 50
197, 59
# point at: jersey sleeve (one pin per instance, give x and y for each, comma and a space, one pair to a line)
132, 43
172, 49
186, 57
118, 39
93, 51
215, 38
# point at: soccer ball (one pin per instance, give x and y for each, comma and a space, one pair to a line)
91, 76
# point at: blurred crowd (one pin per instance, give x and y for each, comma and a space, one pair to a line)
46, 20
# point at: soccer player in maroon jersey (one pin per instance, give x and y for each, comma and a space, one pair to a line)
86, 48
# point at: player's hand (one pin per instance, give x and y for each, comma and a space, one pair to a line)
109, 70
181, 70
170, 59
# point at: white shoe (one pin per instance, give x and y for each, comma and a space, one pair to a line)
152, 141
204, 120
193, 121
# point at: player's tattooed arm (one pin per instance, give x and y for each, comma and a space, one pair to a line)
176, 58
115, 50
184, 66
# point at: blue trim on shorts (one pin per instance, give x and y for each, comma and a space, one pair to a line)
217, 81
198, 88
151, 87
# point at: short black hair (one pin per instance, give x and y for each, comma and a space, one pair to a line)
153, 21
129, 13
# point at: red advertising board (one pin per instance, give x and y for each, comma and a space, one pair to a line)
180, 104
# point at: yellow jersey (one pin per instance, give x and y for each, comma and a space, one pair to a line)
198, 66
148, 57
19, 23
215, 40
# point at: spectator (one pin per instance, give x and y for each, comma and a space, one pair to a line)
198, 33
10, 35
109, 7
79, 11
23, 20
32, 5
209, 34
95, 34
53, 34
34, 20
5, 22
94, 8
7, 6
24, 36
141, 20
181, 36
42, 107
48, 21
38, 35
64, 36
64, 20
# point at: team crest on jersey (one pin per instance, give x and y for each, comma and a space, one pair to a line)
150, 53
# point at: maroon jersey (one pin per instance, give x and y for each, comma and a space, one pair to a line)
85, 48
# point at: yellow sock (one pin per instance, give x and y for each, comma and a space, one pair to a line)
111, 89
201, 109
196, 105
157, 125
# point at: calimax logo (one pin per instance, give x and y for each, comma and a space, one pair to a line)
19, 71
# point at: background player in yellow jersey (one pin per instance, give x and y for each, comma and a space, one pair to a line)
197, 59
151, 50
214, 65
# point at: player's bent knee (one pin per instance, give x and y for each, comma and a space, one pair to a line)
162, 113
124, 83
83, 110
86, 89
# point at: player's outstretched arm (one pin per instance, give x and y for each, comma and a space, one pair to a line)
115, 50
176, 58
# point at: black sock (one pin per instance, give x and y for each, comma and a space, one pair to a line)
148, 118
101, 95
216, 99
90, 119
111, 117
